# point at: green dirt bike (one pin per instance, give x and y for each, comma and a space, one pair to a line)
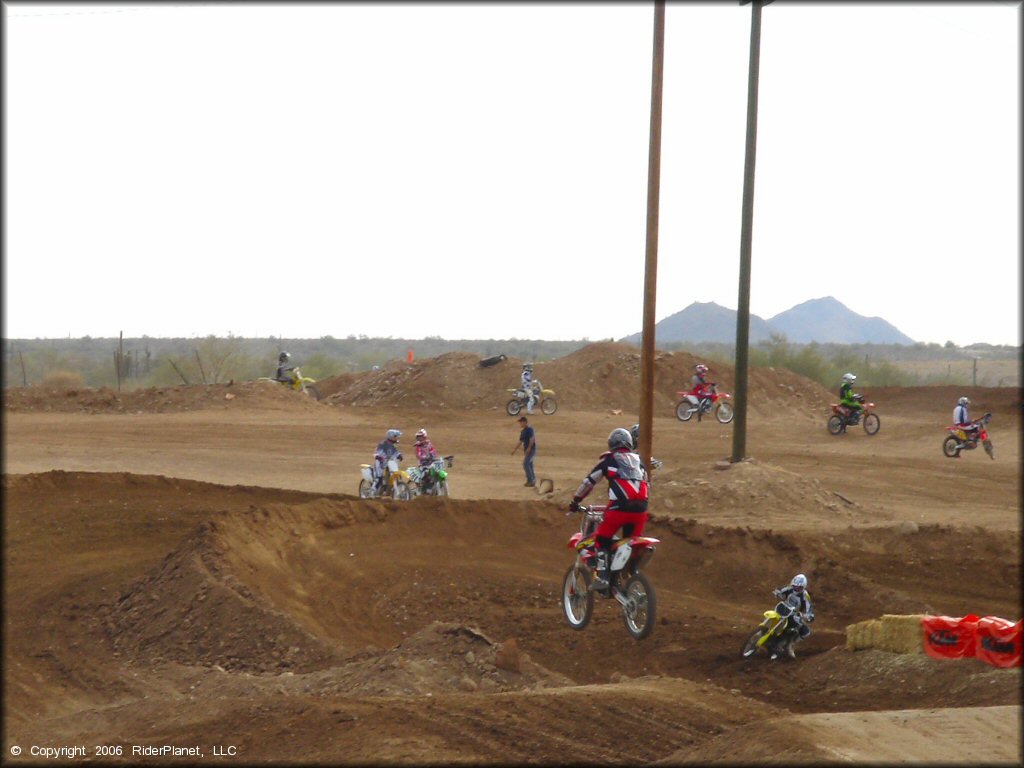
431, 479
298, 383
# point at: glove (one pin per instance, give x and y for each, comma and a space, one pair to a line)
399, 457
574, 506
809, 617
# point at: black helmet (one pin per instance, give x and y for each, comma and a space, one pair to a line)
283, 357
619, 438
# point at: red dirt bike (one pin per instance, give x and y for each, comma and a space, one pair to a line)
842, 417
628, 586
719, 402
960, 439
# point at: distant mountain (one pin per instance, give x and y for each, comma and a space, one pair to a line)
703, 322
829, 320
824, 320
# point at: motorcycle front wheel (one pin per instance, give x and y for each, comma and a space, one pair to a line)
364, 488
872, 423
835, 425
401, 492
951, 447
442, 489
639, 614
548, 406
750, 647
513, 408
724, 413
989, 448
577, 599
684, 411
312, 391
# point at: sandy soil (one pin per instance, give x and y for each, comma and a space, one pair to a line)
189, 567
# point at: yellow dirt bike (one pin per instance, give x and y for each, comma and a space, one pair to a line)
777, 632
395, 484
298, 383
546, 398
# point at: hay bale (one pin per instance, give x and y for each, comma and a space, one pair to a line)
901, 634
863, 635
891, 633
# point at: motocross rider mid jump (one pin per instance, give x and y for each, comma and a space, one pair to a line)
425, 452
284, 370
387, 449
700, 387
849, 399
627, 499
796, 597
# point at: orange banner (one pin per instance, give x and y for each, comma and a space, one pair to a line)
949, 638
998, 642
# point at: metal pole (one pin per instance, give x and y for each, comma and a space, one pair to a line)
651, 263
739, 434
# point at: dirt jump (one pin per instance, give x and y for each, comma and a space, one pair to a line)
189, 572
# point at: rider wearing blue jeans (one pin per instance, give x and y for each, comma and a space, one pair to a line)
528, 440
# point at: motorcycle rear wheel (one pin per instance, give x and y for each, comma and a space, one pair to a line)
513, 408
724, 413
872, 423
750, 647
639, 616
548, 406
835, 425
577, 599
684, 411
951, 447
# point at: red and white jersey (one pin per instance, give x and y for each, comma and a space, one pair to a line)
627, 480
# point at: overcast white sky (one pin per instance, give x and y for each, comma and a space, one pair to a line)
480, 171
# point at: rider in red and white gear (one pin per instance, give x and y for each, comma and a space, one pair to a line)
700, 387
627, 498
425, 452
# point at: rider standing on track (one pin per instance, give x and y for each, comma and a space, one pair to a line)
284, 370
796, 597
627, 499
425, 453
848, 398
387, 449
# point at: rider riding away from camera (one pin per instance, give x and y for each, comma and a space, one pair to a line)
627, 499
387, 449
849, 399
795, 597
285, 371
425, 453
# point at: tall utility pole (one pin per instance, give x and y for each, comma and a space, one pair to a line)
651, 263
739, 433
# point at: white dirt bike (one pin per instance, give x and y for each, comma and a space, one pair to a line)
395, 483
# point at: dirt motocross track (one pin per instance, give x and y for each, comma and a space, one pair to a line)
189, 567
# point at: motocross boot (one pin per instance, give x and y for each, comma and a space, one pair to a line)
601, 579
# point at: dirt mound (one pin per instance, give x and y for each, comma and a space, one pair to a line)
753, 492
941, 400
600, 376
235, 395
195, 610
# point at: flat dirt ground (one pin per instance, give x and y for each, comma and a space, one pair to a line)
189, 567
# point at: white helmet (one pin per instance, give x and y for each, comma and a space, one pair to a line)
620, 438
799, 583
393, 435
963, 401
700, 368
849, 377
421, 436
